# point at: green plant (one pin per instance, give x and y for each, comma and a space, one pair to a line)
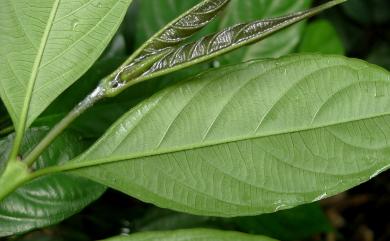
250, 138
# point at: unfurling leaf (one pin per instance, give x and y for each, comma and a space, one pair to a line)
163, 41
173, 58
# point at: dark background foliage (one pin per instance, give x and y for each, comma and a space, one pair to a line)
359, 28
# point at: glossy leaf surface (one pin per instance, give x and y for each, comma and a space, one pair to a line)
193, 235
47, 45
184, 26
50, 199
250, 139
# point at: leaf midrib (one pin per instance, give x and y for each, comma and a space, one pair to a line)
77, 164
21, 125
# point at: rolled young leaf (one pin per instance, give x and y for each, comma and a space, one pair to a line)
191, 234
229, 39
251, 138
164, 40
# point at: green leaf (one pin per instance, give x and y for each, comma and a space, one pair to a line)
191, 234
321, 37
46, 46
171, 59
299, 223
368, 12
251, 138
50, 199
289, 225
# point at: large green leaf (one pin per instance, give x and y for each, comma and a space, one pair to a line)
191, 234
252, 138
50, 199
46, 45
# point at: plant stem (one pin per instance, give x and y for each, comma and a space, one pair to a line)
14, 175
88, 102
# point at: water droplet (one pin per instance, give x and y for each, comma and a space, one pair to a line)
281, 207
74, 24
125, 231
320, 197
216, 64
99, 5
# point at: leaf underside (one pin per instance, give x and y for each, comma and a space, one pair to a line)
252, 138
46, 46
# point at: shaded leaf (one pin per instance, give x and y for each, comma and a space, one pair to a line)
380, 55
50, 199
298, 223
321, 37
289, 225
368, 12
250, 139
191, 234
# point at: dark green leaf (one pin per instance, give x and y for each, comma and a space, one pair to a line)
50, 199
368, 12
288, 225
321, 37
298, 223
380, 55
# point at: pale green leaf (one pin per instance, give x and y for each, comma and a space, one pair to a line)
45, 46
252, 138
191, 234
50, 199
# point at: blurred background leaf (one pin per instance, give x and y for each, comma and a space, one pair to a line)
321, 37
